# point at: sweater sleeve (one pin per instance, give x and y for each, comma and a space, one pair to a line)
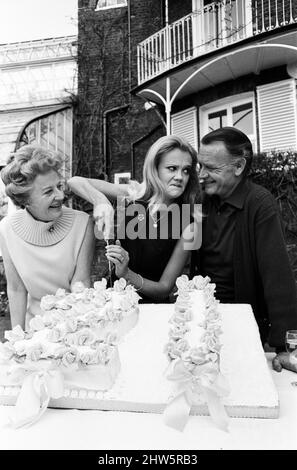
277, 278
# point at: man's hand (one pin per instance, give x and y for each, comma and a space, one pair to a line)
103, 215
285, 360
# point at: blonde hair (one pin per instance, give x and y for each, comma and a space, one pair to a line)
22, 168
151, 189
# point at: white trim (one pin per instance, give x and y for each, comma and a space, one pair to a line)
228, 103
271, 86
188, 111
117, 177
121, 5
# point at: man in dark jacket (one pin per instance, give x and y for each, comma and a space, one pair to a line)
243, 249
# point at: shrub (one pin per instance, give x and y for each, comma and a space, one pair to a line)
277, 171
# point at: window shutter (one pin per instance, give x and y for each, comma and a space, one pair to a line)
184, 124
277, 115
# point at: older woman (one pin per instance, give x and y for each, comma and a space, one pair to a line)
45, 245
150, 261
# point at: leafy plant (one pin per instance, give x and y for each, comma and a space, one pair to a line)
277, 171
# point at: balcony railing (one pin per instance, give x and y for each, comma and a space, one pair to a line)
216, 25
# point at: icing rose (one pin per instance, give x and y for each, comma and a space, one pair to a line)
99, 300
47, 302
16, 334
120, 285
200, 282
61, 293
211, 342
197, 356
88, 358
85, 337
69, 357
58, 315
126, 303
70, 339
48, 319
34, 352
77, 287
20, 359
178, 331
54, 335
71, 325
182, 282
20, 348
182, 345
212, 315
111, 338
7, 351
63, 304
103, 353
182, 316
100, 285
87, 295
112, 314
171, 350
214, 329
92, 318
36, 323
29, 334
71, 299
212, 357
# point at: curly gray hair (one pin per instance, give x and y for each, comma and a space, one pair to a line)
22, 168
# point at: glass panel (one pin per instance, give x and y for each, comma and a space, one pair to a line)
44, 132
217, 120
242, 118
52, 132
60, 132
68, 141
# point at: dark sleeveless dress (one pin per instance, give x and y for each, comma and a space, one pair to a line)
152, 247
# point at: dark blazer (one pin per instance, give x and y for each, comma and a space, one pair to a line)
262, 273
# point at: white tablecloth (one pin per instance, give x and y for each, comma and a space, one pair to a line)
99, 430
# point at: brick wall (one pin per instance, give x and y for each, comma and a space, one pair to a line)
107, 71
178, 9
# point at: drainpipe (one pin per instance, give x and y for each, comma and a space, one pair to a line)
105, 114
129, 51
168, 104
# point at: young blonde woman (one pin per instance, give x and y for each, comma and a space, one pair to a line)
152, 253
45, 245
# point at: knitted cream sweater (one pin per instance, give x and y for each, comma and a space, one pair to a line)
44, 253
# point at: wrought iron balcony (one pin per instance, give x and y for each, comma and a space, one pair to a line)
215, 26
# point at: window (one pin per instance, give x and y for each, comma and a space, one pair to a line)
277, 115
104, 4
122, 178
53, 132
232, 111
184, 124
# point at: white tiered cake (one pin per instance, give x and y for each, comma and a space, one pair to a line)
142, 385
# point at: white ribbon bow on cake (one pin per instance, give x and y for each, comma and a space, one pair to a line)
205, 378
38, 387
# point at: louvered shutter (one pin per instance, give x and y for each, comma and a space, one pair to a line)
277, 115
184, 124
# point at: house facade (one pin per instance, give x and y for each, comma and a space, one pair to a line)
229, 62
37, 85
183, 67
